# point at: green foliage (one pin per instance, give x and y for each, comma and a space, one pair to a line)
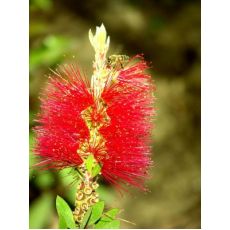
95, 218
62, 223
96, 170
49, 52
39, 210
97, 211
92, 167
65, 214
110, 215
86, 218
108, 220
44, 179
114, 224
89, 163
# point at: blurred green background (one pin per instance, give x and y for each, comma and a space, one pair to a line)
168, 33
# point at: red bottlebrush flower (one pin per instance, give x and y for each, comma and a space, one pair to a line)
98, 127
61, 128
125, 151
130, 108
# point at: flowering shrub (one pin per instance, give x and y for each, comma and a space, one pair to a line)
100, 127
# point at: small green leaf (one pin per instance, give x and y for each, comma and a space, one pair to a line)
89, 163
64, 213
96, 170
61, 223
114, 224
110, 215
97, 211
86, 218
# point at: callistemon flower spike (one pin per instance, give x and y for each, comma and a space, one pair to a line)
98, 127
100, 43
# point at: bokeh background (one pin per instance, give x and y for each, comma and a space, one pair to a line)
168, 33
